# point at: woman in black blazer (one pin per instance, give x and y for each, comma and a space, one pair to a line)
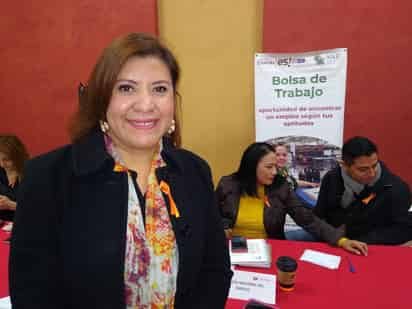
123, 217
13, 155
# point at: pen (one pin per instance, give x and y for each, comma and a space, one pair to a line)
351, 267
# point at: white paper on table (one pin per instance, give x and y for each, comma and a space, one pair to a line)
259, 254
322, 259
5, 303
251, 285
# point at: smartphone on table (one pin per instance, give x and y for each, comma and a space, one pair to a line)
238, 244
255, 304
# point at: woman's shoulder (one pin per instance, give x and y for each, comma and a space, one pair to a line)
44, 173
190, 164
228, 183
59, 158
279, 181
186, 156
186, 160
81, 157
279, 186
229, 179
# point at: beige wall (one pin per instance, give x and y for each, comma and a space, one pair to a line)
215, 42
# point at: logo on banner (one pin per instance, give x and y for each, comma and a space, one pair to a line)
270, 61
319, 60
290, 60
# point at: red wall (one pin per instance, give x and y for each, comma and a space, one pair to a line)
379, 41
47, 48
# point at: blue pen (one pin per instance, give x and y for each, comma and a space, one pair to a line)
351, 267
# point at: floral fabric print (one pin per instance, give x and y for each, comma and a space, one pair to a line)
151, 259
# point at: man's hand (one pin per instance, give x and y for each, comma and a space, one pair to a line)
356, 247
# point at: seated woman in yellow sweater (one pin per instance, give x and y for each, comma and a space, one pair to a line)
254, 202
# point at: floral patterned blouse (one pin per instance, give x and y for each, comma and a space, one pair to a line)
151, 259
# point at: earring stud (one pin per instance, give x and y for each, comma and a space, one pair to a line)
172, 127
104, 126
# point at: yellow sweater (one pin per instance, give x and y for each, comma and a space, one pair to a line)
249, 222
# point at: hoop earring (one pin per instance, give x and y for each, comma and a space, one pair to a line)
104, 126
172, 127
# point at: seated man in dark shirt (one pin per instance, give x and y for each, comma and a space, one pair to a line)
365, 197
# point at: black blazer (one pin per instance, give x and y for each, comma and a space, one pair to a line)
68, 242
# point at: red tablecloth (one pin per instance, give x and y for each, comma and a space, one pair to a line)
4, 259
382, 279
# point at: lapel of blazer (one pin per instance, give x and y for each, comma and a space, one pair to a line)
174, 176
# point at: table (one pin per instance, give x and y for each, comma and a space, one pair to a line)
4, 259
382, 279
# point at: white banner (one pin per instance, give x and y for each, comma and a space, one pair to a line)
299, 100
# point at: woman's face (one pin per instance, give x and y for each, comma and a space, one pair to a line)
281, 156
5, 162
141, 108
266, 169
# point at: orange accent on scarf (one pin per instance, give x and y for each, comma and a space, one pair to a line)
119, 168
366, 200
166, 190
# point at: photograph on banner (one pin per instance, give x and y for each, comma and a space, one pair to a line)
300, 103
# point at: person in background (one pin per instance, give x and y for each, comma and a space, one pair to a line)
364, 197
123, 217
254, 201
281, 152
13, 155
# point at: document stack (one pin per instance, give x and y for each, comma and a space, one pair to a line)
258, 254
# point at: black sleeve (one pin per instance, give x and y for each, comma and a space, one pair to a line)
215, 273
321, 207
224, 206
33, 268
305, 218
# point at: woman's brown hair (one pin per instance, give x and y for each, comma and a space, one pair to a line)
96, 96
15, 151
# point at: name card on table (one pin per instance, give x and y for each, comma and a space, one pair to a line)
250, 285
